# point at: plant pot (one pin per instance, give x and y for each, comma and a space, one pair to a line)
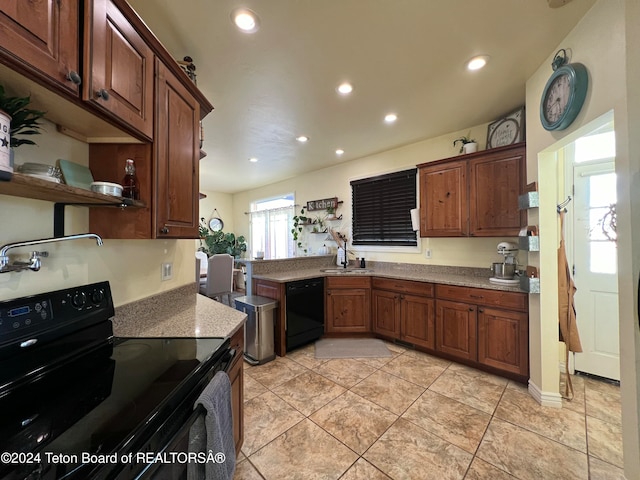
470, 147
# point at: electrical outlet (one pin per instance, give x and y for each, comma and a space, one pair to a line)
167, 271
427, 253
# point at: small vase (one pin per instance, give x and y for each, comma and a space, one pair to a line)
470, 147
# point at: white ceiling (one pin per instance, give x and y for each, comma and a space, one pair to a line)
405, 56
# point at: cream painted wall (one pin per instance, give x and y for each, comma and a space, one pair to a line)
599, 42
334, 182
223, 202
133, 267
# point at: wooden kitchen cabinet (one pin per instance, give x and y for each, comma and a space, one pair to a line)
444, 200
456, 329
488, 327
236, 377
503, 339
473, 196
496, 179
171, 192
404, 310
177, 156
40, 39
385, 313
118, 66
348, 305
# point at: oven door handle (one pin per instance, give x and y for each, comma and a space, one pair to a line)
228, 358
150, 468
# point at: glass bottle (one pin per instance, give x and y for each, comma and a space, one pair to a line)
130, 184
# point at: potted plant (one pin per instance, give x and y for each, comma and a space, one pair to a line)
24, 121
331, 213
220, 242
467, 144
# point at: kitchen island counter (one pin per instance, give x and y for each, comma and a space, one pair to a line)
180, 312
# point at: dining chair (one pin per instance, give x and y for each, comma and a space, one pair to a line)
201, 267
219, 278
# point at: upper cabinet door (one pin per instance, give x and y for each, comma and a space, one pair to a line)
41, 37
496, 181
118, 67
444, 200
177, 156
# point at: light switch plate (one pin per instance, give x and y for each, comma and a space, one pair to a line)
427, 253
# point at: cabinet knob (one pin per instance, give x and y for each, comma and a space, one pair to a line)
164, 230
481, 310
103, 94
471, 309
74, 77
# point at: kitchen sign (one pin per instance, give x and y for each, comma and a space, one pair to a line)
315, 205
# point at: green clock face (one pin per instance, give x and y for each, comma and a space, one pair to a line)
563, 96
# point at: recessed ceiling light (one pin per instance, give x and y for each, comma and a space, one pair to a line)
476, 63
253, 159
390, 117
345, 88
339, 151
246, 20
302, 138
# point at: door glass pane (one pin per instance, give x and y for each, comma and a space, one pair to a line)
603, 257
602, 190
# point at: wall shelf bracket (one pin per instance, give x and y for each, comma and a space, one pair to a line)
59, 210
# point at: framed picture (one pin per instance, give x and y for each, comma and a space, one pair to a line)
507, 130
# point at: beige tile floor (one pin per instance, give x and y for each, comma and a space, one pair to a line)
415, 416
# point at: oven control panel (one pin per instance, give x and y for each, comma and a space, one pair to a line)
46, 310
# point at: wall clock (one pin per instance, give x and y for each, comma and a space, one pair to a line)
564, 94
216, 224
507, 130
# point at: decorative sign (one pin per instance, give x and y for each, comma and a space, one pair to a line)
315, 205
507, 130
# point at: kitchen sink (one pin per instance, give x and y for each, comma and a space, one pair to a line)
346, 271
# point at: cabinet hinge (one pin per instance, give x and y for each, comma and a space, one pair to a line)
573, 270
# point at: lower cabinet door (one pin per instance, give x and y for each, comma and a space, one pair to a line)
348, 310
503, 340
456, 329
417, 323
385, 312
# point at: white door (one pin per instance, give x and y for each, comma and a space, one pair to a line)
596, 269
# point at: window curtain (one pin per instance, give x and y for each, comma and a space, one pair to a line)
271, 232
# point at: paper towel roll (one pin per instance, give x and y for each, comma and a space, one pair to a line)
415, 219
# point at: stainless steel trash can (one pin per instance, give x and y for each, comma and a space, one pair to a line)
258, 331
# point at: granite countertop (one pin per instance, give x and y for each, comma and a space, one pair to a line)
181, 312
448, 276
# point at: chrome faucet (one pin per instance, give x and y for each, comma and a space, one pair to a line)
34, 262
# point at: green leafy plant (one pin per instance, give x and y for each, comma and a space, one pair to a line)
24, 121
463, 141
220, 242
298, 222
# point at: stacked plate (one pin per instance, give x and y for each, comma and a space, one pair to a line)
41, 170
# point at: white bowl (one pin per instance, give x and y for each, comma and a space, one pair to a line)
107, 188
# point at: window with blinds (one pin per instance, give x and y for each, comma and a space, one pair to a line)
381, 209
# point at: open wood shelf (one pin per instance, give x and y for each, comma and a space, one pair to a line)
25, 186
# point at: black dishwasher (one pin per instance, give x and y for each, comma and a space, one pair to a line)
305, 311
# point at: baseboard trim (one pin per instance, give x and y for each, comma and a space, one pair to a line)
546, 399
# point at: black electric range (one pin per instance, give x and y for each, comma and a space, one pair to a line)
78, 402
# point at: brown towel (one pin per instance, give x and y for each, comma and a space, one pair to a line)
566, 308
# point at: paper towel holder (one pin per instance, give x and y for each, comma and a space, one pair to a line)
415, 219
